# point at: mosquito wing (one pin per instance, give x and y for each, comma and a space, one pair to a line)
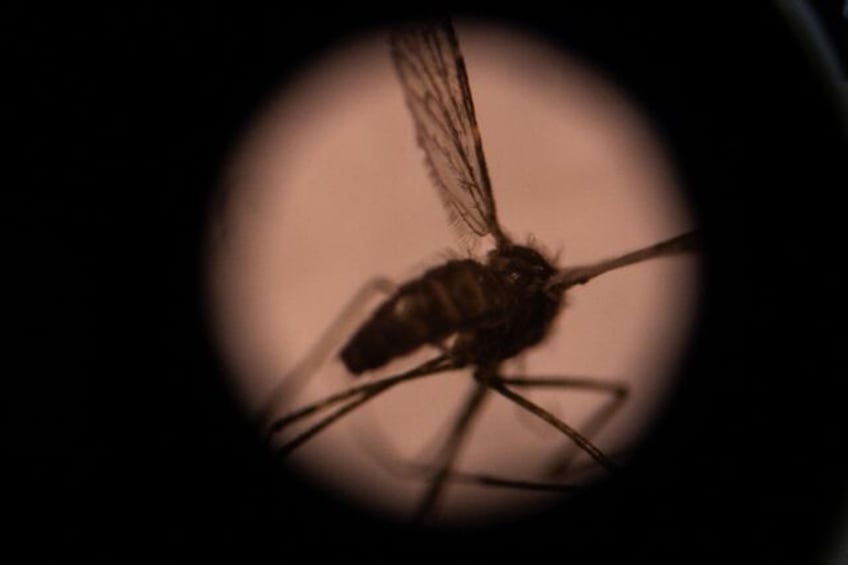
435, 84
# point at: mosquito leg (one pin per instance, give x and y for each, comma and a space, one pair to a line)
450, 451
480, 479
613, 388
584, 444
303, 437
617, 396
355, 396
291, 384
398, 466
384, 454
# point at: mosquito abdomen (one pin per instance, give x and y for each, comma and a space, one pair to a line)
444, 300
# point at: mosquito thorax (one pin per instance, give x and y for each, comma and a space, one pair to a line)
529, 307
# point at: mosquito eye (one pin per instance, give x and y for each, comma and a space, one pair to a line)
515, 275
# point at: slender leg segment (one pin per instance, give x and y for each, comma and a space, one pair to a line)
473, 405
442, 471
578, 438
333, 336
617, 393
355, 397
450, 451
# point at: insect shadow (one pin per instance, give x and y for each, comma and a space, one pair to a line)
477, 313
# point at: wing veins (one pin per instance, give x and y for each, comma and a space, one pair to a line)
448, 125
435, 84
458, 113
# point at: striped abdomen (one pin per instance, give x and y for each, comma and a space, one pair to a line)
447, 299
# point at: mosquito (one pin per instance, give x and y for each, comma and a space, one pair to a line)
477, 313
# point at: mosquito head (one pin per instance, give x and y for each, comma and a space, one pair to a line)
521, 267
557, 283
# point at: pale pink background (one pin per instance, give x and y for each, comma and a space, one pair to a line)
329, 189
